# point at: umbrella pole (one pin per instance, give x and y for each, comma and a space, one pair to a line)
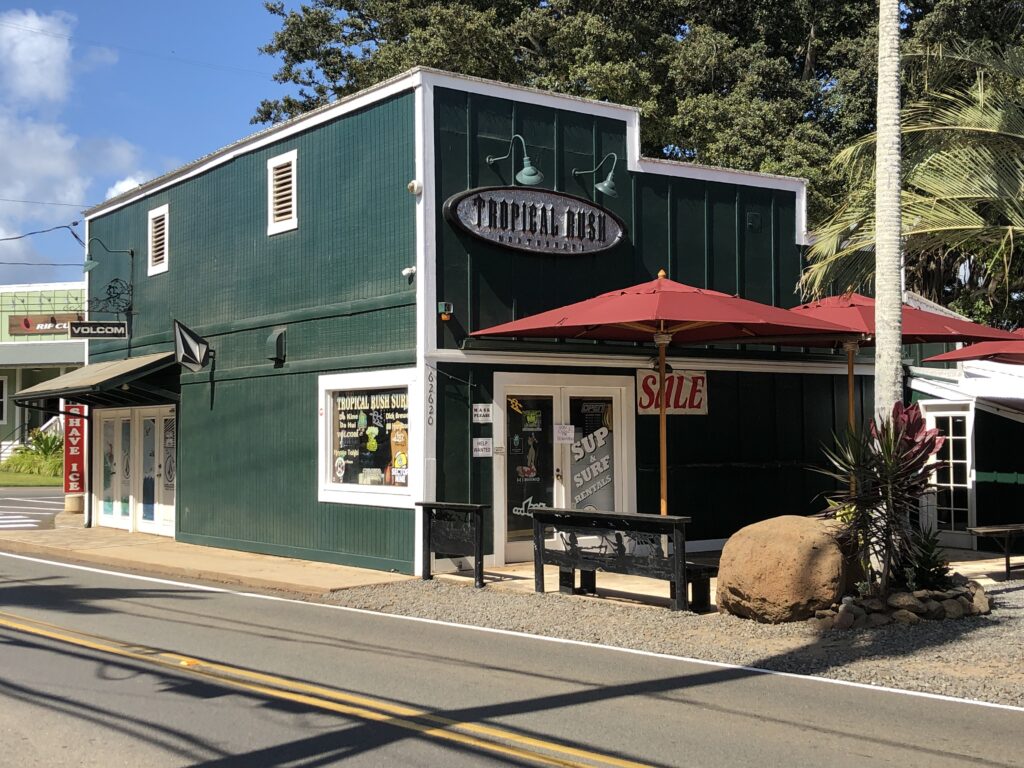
662, 340
851, 350
851, 419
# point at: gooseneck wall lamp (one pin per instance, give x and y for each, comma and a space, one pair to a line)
529, 176
91, 263
606, 187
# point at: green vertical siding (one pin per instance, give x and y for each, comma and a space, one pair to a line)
734, 238
999, 472
750, 458
248, 430
356, 231
247, 479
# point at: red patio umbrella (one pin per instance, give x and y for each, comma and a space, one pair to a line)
857, 312
666, 312
1011, 352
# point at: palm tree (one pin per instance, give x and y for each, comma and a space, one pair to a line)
888, 253
962, 201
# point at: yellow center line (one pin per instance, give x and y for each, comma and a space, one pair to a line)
321, 697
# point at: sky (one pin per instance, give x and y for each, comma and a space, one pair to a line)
97, 96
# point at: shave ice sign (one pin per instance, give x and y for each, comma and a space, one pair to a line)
686, 393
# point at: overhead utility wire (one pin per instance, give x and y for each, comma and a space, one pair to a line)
68, 227
42, 202
138, 52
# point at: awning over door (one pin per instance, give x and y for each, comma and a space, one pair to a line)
145, 380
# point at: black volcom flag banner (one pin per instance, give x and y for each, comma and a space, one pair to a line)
190, 349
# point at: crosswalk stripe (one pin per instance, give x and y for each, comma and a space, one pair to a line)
38, 500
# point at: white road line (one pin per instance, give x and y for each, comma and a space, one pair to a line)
26, 511
528, 636
37, 500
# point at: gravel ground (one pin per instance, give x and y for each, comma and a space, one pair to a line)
980, 657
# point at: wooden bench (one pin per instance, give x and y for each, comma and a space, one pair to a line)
1004, 535
625, 543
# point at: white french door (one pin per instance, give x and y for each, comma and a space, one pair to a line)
158, 437
559, 441
113, 462
134, 468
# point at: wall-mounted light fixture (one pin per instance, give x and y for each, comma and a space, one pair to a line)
529, 176
91, 263
606, 187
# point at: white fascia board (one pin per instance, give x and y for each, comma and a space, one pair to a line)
422, 76
945, 391
644, 361
353, 103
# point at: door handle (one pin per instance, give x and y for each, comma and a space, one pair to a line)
558, 473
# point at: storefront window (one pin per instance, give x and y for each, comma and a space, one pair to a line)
370, 441
370, 436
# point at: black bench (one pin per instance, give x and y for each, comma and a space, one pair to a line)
454, 528
1003, 535
626, 543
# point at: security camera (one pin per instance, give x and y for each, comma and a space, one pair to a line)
408, 271
414, 187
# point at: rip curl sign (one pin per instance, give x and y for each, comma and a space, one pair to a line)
535, 220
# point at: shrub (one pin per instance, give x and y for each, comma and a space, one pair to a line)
925, 565
882, 473
44, 455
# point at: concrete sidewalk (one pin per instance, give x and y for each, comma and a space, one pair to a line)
162, 556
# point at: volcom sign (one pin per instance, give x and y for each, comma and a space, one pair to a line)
535, 220
94, 329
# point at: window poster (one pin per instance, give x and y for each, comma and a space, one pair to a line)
593, 454
370, 437
530, 473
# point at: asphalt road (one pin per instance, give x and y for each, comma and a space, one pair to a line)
29, 508
103, 670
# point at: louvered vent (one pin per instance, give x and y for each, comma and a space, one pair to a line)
283, 204
158, 238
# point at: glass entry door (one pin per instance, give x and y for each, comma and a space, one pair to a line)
564, 446
113, 468
158, 441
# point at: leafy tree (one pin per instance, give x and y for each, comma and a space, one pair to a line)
961, 192
778, 86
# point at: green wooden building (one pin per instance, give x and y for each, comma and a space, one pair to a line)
317, 260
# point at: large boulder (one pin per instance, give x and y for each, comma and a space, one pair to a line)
781, 569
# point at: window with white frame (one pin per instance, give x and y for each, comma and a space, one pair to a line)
159, 248
952, 474
282, 213
366, 420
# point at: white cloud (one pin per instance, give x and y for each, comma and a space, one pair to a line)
123, 185
41, 159
35, 54
97, 56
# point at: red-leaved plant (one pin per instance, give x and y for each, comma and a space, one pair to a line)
882, 473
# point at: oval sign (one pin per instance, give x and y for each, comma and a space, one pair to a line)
535, 220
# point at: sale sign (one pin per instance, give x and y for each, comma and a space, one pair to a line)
686, 392
74, 448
